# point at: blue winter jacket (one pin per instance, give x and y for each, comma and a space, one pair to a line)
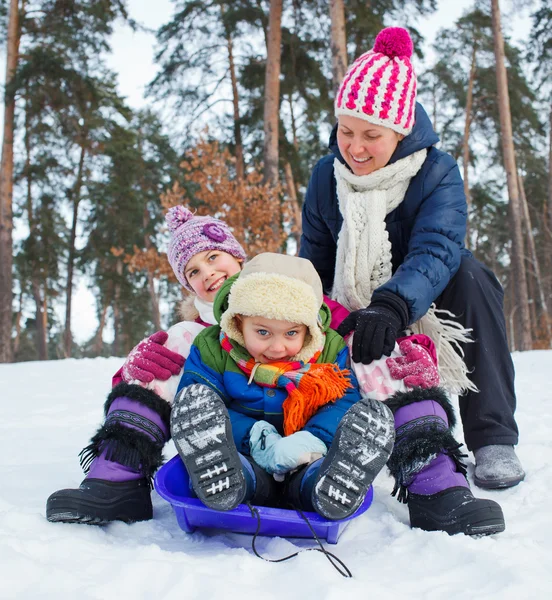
426, 230
247, 403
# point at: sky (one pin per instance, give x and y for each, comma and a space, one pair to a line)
132, 56
55, 406
132, 59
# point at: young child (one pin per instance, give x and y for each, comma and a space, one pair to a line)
266, 393
127, 448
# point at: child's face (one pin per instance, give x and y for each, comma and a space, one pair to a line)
270, 340
208, 270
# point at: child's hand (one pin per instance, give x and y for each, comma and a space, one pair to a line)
263, 438
150, 360
296, 449
415, 367
279, 455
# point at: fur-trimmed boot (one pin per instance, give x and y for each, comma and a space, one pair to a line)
220, 477
119, 462
429, 475
335, 486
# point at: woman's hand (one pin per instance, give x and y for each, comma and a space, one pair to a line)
375, 328
375, 332
150, 360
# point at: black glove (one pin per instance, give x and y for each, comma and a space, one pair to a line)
376, 328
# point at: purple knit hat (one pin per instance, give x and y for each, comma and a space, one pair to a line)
191, 235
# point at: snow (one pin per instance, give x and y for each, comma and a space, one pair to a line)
51, 409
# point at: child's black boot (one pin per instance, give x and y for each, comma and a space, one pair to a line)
202, 434
429, 474
120, 462
336, 485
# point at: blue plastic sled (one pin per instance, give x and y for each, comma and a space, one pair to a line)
171, 483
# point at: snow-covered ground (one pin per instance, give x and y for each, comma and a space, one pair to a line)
50, 410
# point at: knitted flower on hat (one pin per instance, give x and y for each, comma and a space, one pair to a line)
191, 235
380, 86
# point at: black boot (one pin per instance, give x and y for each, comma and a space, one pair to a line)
120, 462
202, 434
429, 475
361, 446
455, 510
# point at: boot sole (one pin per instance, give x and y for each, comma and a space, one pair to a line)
497, 485
485, 518
202, 434
360, 449
71, 506
479, 526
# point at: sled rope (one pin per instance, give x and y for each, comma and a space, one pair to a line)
336, 562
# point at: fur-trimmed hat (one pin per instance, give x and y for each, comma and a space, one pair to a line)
380, 86
191, 235
282, 287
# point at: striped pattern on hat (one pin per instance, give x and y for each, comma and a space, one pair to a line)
380, 86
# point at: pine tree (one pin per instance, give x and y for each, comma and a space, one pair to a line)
511, 176
6, 185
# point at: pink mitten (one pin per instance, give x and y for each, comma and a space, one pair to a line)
416, 367
150, 360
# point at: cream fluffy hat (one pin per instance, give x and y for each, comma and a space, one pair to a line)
282, 287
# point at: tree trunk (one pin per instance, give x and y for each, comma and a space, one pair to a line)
38, 297
338, 42
548, 217
156, 314
534, 260
18, 315
550, 174
75, 196
293, 122
295, 209
520, 280
466, 141
272, 93
240, 171
41, 321
6, 187
98, 341
118, 339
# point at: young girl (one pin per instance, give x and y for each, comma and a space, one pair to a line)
265, 394
127, 448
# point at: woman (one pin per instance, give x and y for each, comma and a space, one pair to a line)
384, 223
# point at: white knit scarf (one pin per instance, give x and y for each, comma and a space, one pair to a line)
363, 261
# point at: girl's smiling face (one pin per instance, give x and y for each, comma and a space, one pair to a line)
271, 340
365, 147
208, 270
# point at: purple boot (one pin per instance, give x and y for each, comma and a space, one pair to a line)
429, 475
119, 463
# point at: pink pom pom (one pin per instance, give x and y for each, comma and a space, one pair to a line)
393, 42
177, 216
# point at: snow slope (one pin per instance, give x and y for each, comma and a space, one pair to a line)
50, 410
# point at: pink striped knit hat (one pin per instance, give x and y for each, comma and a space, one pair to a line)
380, 86
191, 235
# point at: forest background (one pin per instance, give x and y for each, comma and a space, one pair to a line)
238, 112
